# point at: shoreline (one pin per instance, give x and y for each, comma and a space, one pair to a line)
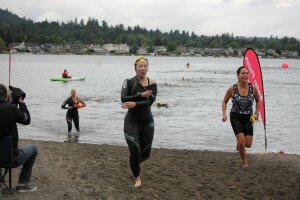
233, 150
190, 56
93, 171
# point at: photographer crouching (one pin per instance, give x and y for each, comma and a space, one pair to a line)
13, 110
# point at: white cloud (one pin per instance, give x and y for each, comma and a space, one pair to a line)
208, 17
50, 16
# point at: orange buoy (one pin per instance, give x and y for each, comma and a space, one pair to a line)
285, 65
281, 151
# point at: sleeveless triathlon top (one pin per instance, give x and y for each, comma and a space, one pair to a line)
242, 104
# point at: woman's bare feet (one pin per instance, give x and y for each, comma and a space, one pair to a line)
137, 181
245, 164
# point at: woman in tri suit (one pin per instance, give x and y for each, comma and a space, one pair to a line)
73, 102
242, 94
137, 95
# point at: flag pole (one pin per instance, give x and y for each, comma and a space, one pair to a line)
9, 70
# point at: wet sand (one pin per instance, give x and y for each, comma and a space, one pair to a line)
88, 171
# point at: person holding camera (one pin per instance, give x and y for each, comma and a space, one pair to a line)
10, 115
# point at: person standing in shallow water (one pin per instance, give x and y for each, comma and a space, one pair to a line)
73, 102
242, 94
137, 95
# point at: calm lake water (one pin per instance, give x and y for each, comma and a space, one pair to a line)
193, 120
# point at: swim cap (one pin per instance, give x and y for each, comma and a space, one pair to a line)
141, 59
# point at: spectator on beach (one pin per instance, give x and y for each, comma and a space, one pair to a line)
137, 95
242, 94
10, 115
74, 103
65, 74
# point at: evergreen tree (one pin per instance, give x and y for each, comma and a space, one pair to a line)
16, 29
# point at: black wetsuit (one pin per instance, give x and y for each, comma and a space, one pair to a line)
10, 114
241, 111
138, 123
72, 114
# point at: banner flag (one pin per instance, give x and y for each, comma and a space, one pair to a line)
251, 62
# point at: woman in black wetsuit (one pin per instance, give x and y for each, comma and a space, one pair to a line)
73, 102
137, 95
242, 94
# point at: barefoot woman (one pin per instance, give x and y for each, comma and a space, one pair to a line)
242, 94
138, 94
73, 102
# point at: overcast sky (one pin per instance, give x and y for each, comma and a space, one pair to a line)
208, 17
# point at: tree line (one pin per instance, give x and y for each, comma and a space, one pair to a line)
16, 29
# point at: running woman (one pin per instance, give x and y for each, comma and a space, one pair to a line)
137, 95
242, 94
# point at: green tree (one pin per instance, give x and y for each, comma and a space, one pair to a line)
234, 45
171, 46
16, 29
2, 45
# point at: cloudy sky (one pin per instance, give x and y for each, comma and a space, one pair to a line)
208, 17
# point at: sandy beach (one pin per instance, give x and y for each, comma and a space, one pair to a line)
88, 171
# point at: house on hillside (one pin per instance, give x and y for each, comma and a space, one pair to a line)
260, 53
99, 49
142, 51
289, 54
72, 48
52, 48
117, 48
32, 47
160, 49
18, 47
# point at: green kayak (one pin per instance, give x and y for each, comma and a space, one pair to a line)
67, 79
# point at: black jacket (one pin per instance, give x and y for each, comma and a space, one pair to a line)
10, 115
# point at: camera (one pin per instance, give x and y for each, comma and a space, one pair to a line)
16, 93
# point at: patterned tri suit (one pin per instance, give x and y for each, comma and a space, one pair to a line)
241, 111
138, 123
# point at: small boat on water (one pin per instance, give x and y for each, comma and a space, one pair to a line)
67, 79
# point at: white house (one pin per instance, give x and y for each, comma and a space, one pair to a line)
160, 49
19, 46
142, 51
118, 48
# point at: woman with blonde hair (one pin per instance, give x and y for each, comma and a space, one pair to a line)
72, 104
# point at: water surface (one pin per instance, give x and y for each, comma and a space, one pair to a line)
193, 120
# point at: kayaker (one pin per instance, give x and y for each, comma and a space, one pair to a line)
65, 74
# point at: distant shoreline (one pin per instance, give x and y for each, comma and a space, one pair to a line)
95, 54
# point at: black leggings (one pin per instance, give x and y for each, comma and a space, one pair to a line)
75, 117
139, 137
